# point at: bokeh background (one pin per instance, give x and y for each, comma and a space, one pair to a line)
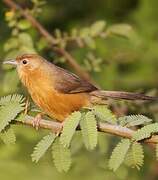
117, 63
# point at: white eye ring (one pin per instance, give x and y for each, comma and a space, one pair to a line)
24, 61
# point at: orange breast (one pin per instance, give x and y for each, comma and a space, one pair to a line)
56, 105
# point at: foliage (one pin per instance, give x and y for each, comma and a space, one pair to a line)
117, 55
135, 156
42, 147
145, 132
8, 136
104, 114
10, 107
132, 152
124, 30
69, 128
89, 130
61, 156
15, 98
83, 36
133, 120
118, 154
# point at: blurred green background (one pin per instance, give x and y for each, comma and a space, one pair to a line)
129, 64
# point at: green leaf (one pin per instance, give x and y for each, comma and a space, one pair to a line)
42, 44
69, 128
118, 154
89, 130
104, 114
12, 23
26, 42
133, 120
42, 146
58, 34
124, 30
9, 15
10, 109
145, 132
26, 49
11, 43
15, 98
61, 156
22, 117
84, 32
97, 28
24, 24
8, 136
135, 156
90, 42
74, 33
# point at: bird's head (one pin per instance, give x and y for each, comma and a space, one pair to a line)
30, 67
26, 62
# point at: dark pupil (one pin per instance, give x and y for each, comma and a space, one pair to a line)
24, 62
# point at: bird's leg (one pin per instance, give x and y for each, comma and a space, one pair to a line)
36, 121
58, 132
26, 106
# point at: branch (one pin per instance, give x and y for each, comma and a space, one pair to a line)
51, 40
102, 127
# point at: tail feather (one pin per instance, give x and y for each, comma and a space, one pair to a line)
122, 95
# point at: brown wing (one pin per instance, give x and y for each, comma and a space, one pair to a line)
67, 82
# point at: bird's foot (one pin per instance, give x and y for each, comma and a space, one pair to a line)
58, 132
36, 121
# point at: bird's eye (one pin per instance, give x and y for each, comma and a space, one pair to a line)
24, 61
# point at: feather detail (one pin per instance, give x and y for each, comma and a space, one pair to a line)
57, 105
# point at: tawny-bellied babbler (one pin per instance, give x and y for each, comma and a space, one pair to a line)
59, 92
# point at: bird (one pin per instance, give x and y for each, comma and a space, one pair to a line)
58, 92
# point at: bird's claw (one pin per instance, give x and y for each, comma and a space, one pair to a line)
36, 121
58, 132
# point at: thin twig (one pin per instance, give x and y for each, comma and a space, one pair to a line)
102, 127
52, 41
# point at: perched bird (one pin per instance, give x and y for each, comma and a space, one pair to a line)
59, 92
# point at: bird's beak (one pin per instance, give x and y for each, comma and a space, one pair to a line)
12, 62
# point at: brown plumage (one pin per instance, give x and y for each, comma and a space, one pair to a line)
58, 92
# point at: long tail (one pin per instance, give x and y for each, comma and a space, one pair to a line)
122, 95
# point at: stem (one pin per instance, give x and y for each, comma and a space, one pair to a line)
117, 130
